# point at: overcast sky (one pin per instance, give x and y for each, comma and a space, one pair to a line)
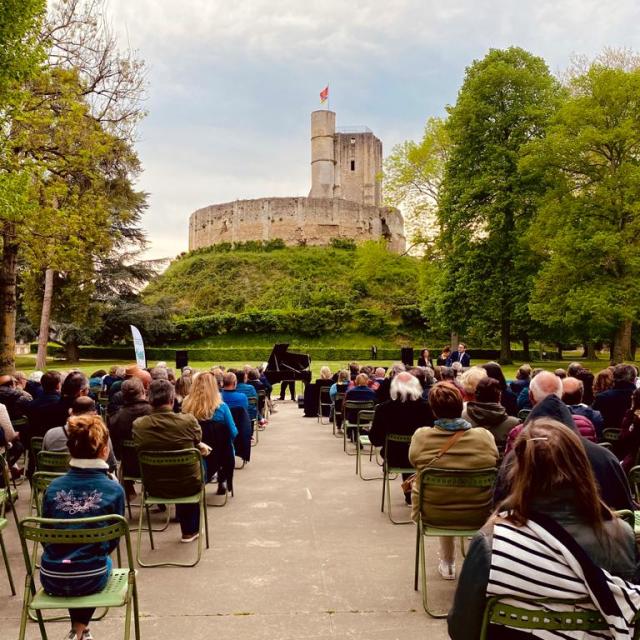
232, 83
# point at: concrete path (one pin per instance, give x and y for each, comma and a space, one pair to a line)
302, 551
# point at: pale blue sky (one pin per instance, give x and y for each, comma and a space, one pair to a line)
232, 82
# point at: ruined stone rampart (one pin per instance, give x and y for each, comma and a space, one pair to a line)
312, 221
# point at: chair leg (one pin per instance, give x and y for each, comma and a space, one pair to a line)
417, 557
206, 519
389, 506
384, 485
425, 595
136, 612
6, 564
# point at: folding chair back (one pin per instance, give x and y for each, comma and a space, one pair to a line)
40, 482
350, 411
121, 588
337, 412
54, 461
6, 496
397, 438
535, 615
611, 435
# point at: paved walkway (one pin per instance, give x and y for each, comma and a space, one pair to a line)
302, 552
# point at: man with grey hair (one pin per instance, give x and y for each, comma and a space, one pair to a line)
402, 414
159, 373
543, 385
164, 430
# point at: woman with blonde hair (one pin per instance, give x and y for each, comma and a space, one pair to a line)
86, 490
205, 404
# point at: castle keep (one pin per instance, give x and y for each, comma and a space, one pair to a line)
344, 202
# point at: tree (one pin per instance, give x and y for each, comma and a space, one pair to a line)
89, 84
485, 202
412, 177
587, 231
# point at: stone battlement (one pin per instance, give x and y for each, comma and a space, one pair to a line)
298, 220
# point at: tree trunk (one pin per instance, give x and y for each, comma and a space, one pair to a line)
72, 351
455, 339
43, 337
590, 352
505, 339
559, 348
622, 343
8, 303
525, 347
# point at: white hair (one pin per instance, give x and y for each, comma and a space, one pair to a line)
545, 384
405, 386
471, 377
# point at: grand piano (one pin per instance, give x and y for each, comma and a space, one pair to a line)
286, 365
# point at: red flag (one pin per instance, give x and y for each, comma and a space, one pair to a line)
324, 94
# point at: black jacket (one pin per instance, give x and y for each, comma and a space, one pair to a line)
614, 403
613, 484
402, 418
121, 423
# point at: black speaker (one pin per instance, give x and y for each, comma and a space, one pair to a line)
406, 355
182, 359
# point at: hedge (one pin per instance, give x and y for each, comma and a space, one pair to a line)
261, 354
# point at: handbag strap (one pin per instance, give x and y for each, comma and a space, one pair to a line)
450, 442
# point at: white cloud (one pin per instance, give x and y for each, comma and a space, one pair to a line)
233, 82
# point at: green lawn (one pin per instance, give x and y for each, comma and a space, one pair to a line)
26, 363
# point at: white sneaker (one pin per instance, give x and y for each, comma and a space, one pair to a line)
447, 570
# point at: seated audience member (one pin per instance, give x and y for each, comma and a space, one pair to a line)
10, 439
614, 403
117, 381
546, 390
164, 430
68, 571
573, 368
561, 373
33, 387
360, 392
340, 386
253, 378
378, 375
553, 511
586, 377
43, 413
56, 438
444, 358
116, 399
475, 449
325, 378
134, 405
218, 374
383, 393
572, 391
420, 373
75, 385
354, 370
487, 412
603, 381
508, 399
268, 387
628, 445
13, 397
523, 378
230, 395
95, 380
405, 412
247, 390
425, 359
457, 370
111, 377
524, 398
447, 374
218, 428
183, 388
469, 381
460, 356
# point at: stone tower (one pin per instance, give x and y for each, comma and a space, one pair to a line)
345, 164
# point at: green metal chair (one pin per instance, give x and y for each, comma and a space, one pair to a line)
338, 402
535, 615
364, 418
387, 471
431, 479
348, 407
263, 403
523, 414
121, 589
53, 461
176, 465
127, 471
7, 496
35, 446
634, 482
255, 425
324, 400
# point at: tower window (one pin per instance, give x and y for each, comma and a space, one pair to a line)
353, 165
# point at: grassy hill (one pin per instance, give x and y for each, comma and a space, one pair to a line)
308, 283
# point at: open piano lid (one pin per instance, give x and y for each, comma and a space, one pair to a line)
281, 359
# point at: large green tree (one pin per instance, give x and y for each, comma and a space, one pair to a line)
485, 202
587, 232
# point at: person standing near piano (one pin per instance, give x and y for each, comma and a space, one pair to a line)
292, 389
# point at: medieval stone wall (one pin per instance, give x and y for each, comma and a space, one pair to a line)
314, 221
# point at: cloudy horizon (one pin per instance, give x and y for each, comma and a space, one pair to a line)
232, 85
